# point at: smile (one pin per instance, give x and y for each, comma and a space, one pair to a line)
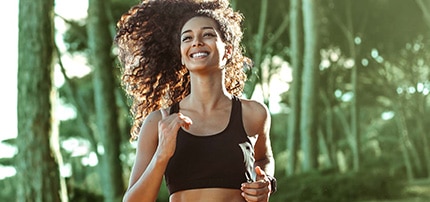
199, 54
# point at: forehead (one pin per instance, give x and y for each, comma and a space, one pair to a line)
199, 22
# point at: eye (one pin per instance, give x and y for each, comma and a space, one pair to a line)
186, 38
209, 34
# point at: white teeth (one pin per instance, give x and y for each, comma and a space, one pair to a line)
199, 54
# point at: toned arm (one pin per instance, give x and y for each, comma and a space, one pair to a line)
257, 122
156, 145
148, 169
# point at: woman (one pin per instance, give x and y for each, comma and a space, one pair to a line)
183, 69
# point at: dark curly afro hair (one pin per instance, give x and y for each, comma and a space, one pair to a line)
148, 41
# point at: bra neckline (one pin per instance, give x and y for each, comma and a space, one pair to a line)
216, 134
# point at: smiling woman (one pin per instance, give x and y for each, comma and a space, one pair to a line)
203, 44
183, 67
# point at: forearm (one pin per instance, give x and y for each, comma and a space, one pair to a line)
267, 164
146, 188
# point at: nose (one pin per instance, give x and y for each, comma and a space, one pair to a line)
197, 42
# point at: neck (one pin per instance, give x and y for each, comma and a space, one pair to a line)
207, 92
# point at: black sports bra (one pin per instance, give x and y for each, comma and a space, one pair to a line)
223, 160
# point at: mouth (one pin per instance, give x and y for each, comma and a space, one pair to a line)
201, 54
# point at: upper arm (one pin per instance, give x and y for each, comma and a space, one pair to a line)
257, 123
146, 145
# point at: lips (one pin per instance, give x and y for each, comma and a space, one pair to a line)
200, 54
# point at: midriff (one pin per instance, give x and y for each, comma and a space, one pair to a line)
208, 195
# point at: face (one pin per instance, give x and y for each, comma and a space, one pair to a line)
201, 44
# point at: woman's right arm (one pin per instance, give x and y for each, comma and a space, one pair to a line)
156, 144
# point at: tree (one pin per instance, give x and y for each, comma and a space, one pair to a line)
37, 161
293, 135
425, 8
263, 39
352, 131
99, 43
308, 116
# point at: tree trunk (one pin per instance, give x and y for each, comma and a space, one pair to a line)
308, 124
37, 168
352, 130
83, 116
354, 106
325, 153
406, 139
425, 8
403, 139
330, 142
296, 32
100, 43
425, 143
258, 57
424, 134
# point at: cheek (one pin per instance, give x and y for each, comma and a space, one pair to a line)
183, 50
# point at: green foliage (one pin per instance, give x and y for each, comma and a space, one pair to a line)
76, 36
395, 29
83, 195
163, 195
331, 186
8, 189
84, 92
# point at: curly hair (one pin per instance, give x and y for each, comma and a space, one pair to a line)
148, 41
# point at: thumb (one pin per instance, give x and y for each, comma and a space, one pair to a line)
164, 113
260, 173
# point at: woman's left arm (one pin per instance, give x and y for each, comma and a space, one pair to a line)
257, 121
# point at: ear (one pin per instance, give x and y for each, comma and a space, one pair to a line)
228, 52
182, 62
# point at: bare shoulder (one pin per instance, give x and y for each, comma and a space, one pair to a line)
149, 128
152, 117
256, 117
254, 108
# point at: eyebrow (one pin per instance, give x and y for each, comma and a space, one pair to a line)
186, 31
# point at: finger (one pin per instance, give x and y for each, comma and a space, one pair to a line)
259, 171
184, 121
249, 197
260, 190
179, 120
255, 185
261, 175
164, 113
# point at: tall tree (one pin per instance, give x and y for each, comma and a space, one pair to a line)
349, 33
355, 137
296, 32
258, 55
263, 39
308, 116
100, 44
425, 8
37, 168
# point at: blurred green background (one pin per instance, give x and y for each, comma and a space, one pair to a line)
346, 81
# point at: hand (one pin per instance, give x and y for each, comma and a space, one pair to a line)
168, 128
259, 190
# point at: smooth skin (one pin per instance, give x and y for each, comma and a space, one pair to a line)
209, 105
